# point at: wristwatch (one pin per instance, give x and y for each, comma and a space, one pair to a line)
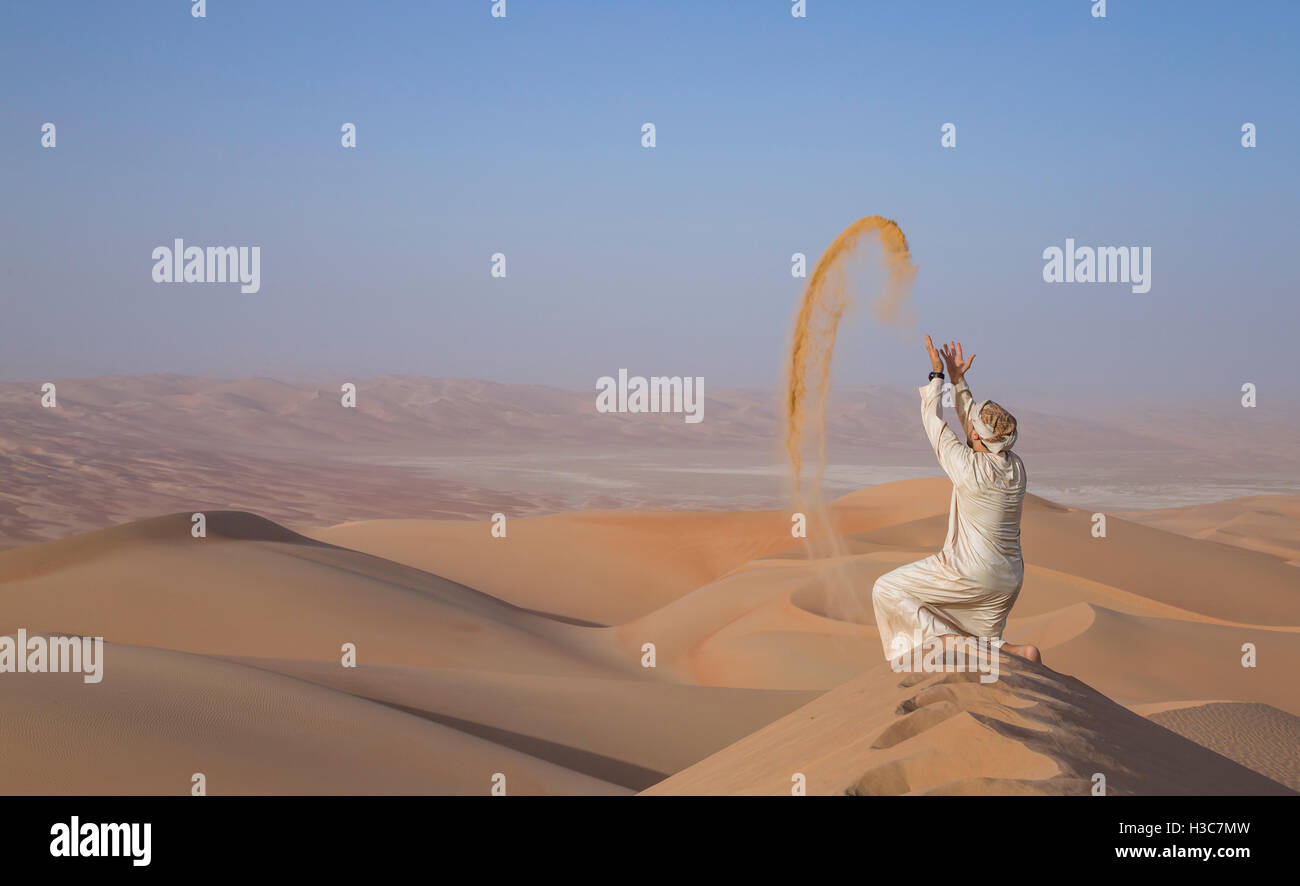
934, 375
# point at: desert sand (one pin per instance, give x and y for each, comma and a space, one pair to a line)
522, 656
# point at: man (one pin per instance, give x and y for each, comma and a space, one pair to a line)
968, 588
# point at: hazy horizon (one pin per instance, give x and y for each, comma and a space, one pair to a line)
1039, 397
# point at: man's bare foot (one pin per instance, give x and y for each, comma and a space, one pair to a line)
1024, 651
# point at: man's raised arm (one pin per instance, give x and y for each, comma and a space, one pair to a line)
957, 366
955, 457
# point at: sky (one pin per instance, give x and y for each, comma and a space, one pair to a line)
523, 136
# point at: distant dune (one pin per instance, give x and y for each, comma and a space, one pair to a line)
123, 448
523, 656
1265, 523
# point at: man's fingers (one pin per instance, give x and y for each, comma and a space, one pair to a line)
970, 361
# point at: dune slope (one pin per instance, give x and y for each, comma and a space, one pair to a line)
1032, 731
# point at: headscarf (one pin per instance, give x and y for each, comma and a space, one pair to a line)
986, 433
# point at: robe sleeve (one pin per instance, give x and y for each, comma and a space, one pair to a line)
956, 459
963, 400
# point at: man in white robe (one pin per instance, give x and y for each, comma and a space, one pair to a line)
967, 588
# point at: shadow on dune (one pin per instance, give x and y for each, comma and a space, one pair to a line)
618, 772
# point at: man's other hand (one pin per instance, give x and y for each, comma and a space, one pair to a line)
952, 357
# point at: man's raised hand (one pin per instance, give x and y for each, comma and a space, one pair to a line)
934, 355
957, 366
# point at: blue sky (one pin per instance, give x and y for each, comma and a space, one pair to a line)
522, 136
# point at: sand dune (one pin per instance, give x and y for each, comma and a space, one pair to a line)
1141, 660
525, 655
252, 588
428, 648
1257, 736
624, 731
623, 550
164, 716
1269, 524
1034, 731
622, 573
1166, 568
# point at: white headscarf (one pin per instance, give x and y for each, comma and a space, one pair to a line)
986, 433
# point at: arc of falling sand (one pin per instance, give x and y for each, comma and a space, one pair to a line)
824, 301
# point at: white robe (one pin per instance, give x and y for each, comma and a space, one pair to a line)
968, 587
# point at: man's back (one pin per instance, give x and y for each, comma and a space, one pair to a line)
983, 543
984, 518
